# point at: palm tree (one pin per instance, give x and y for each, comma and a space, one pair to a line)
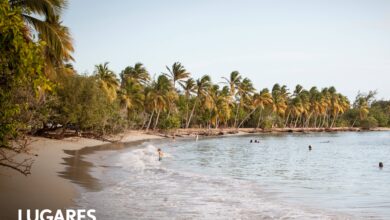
43, 17
233, 82
279, 100
222, 107
363, 102
162, 89
326, 105
315, 105
177, 73
245, 91
189, 88
299, 105
108, 80
158, 94
202, 86
138, 74
296, 109
262, 100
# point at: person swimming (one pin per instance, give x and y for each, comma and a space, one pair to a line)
251, 141
309, 147
160, 154
380, 165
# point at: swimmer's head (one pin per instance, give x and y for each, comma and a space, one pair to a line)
380, 165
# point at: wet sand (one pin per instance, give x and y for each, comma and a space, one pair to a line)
60, 165
50, 184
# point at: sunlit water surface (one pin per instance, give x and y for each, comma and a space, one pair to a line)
231, 178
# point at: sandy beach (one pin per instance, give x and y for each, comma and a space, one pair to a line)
45, 188
55, 170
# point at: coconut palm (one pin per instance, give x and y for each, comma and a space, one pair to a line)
233, 82
279, 100
43, 17
262, 100
202, 86
189, 88
315, 105
245, 91
138, 74
222, 106
108, 80
177, 73
158, 96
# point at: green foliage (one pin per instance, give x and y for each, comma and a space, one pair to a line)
169, 123
266, 124
368, 123
82, 103
21, 79
380, 115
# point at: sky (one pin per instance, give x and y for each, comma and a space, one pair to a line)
338, 43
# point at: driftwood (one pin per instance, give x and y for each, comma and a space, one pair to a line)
17, 156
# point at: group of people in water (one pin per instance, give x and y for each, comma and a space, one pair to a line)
161, 154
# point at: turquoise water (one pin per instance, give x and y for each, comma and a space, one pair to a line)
231, 178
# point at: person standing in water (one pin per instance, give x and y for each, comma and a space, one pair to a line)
309, 147
160, 154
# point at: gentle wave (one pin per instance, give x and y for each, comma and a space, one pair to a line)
144, 189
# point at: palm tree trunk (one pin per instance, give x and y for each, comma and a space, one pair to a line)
353, 124
296, 121
334, 120
247, 117
158, 116
307, 123
192, 113
258, 121
187, 110
324, 120
150, 120
143, 120
288, 116
235, 117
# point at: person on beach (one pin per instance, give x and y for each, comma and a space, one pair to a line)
380, 165
160, 154
309, 147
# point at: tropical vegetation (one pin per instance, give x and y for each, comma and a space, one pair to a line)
41, 93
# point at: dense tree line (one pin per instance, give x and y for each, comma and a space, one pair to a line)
34, 49
41, 93
175, 100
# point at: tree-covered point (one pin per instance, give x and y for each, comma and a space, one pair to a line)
176, 100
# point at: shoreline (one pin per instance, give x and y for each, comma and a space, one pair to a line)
234, 131
60, 165
46, 187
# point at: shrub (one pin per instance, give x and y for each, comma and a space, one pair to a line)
169, 123
368, 123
